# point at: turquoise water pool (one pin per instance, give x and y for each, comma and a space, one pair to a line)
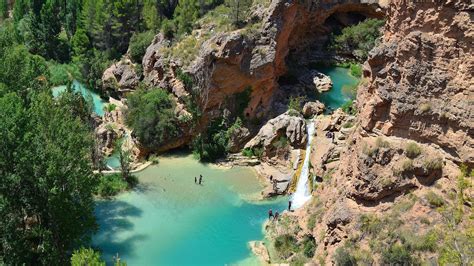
169, 220
77, 86
340, 77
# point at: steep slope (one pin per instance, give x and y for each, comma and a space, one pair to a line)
402, 190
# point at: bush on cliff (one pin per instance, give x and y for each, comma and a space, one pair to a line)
358, 39
151, 116
138, 44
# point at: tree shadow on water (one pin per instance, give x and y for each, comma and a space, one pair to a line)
114, 218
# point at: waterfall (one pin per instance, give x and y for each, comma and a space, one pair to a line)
302, 193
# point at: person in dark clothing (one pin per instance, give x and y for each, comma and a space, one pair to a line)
332, 136
270, 214
195, 180
271, 178
200, 179
289, 205
276, 216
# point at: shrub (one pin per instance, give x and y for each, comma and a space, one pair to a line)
397, 255
154, 159
349, 108
185, 78
348, 125
138, 44
212, 144
86, 256
407, 166
412, 150
370, 224
433, 164
428, 242
434, 199
343, 257
356, 70
358, 39
248, 152
295, 103
151, 116
309, 246
61, 74
110, 107
281, 143
111, 185
285, 245
380, 143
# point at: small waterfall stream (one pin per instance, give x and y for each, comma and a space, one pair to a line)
302, 193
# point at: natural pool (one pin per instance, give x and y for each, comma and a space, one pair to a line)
340, 77
98, 103
169, 220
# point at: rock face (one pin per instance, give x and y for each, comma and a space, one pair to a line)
292, 128
422, 76
313, 108
414, 129
316, 80
120, 77
253, 61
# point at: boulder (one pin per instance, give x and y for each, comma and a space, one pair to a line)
120, 76
238, 138
315, 79
313, 108
284, 125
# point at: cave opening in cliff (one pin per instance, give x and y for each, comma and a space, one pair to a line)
312, 51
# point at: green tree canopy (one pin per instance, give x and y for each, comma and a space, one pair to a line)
151, 116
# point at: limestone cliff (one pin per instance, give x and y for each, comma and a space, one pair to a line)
254, 57
401, 192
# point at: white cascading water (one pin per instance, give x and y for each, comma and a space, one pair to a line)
302, 193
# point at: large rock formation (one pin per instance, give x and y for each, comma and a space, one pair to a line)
421, 78
398, 179
289, 126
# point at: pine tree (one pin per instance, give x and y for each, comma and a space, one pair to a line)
186, 13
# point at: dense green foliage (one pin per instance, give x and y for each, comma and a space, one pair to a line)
111, 185
359, 39
151, 116
47, 179
46, 155
138, 44
86, 256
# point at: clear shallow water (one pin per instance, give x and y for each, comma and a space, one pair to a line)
113, 160
77, 86
340, 77
169, 220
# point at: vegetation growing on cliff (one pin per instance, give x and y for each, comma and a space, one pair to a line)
359, 39
151, 116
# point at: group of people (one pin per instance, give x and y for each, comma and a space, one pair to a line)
198, 182
275, 216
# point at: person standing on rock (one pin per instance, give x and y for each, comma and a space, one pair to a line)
276, 216
200, 179
270, 214
289, 205
195, 180
332, 136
